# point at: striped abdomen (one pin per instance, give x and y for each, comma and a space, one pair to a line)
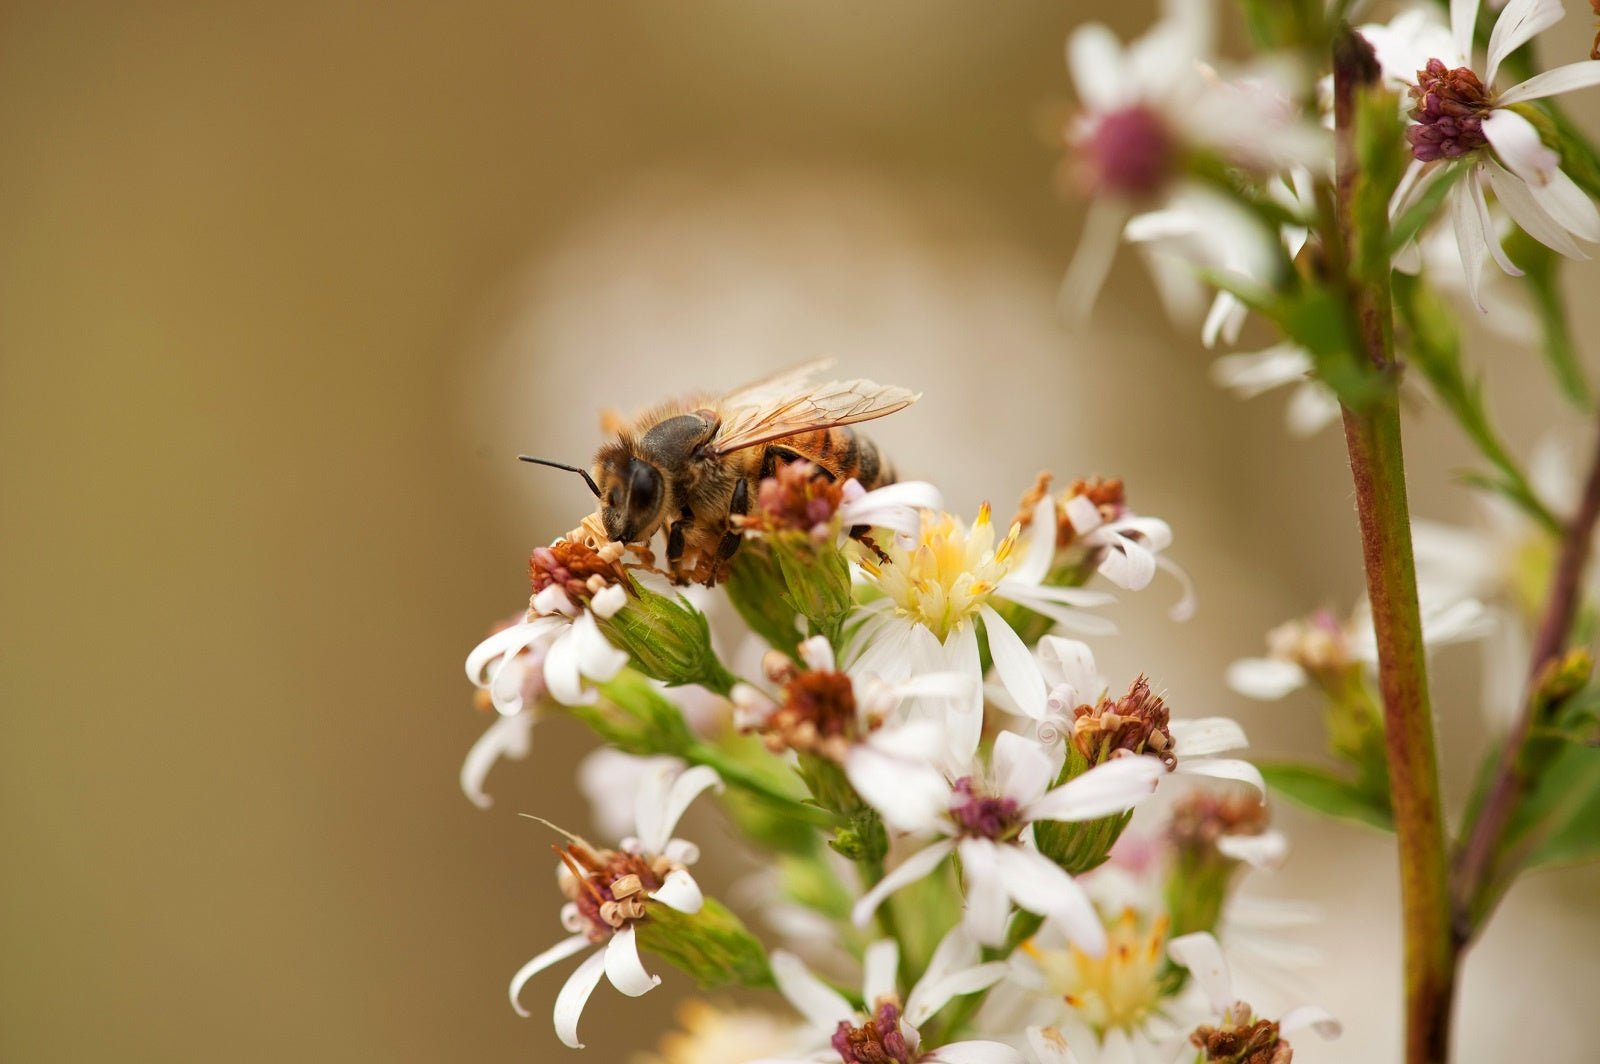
843, 452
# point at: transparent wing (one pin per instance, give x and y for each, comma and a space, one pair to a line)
780, 385
820, 407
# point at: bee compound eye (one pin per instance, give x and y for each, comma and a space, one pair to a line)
644, 488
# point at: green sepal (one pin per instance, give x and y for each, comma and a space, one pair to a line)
757, 590
713, 946
667, 639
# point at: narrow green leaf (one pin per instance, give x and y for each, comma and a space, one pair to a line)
1319, 789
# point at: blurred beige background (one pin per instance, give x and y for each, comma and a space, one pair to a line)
284, 288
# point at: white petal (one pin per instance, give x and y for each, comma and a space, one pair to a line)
1200, 954
561, 672
1475, 182
1014, 664
1519, 23
1071, 662
975, 1052
506, 641
817, 654
1184, 608
1091, 262
1569, 205
908, 871
554, 601
821, 1005
1224, 768
1041, 886
1128, 564
1315, 1017
911, 795
1516, 141
1022, 770
1094, 59
1312, 408
507, 737
1040, 551
1060, 605
965, 721
1114, 787
597, 658
623, 966
554, 955
1049, 1047
575, 995
988, 906
1083, 513
1206, 735
1471, 240
1519, 202
1248, 374
1267, 679
1266, 850
952, 961
608, 601
878, 968
1553, 82
658, 818
1463, 20
679, 891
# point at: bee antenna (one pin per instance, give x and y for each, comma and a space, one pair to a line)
584, 473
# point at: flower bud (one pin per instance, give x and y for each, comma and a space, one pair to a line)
712, 945
667, 639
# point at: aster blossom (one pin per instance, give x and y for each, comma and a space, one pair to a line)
610, 891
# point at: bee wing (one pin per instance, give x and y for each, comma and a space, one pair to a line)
821, 407
780, 385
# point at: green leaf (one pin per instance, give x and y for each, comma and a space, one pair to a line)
1319, 789
1541, 268
1423, 209
1559, 823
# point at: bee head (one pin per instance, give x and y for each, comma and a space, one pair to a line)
632, 499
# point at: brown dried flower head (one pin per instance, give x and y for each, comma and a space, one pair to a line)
608, 887
1200, 818
798, 497
1241, 1040
1450, 107
1107, 493
818, 712
1136, 723
582, 563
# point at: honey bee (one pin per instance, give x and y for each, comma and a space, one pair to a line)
690, 464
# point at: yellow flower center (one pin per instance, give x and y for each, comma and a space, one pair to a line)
1118, 990
951, 570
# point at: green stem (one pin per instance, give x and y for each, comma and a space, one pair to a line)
1377, 467
741, 776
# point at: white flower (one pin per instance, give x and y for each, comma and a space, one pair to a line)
1321, 649
508, 737
887, 1027
1200, 953
1146, 106
1460, 116
1129, 546
984, 821
897, 506
611, 780
1191, 746
560, 639
935, 590
610, 889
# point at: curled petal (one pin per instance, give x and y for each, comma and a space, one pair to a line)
817, 654
608, 601
679, 891
554, 955
575, 995
658, 814
509, 737
623, 966
1128, 564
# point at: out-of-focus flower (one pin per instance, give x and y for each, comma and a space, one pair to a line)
983, 820
1458, 115
710, 1034
1323, 651
935, 590
1238, 1035
608, 891
1147, 107
611, 780
1312, 404
886, 1032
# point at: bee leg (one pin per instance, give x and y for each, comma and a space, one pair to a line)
675, 545
733, 537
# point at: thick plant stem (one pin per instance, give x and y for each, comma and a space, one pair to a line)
1474, 868
1377, 466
